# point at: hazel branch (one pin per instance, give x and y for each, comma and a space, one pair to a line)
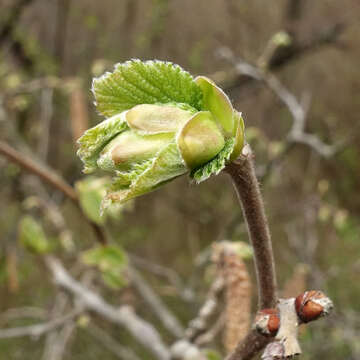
50, 177
38, 329
122, 316
298, 111
285, 320
155, 303
243, 176
242, 173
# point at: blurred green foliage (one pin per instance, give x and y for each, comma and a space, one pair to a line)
111, 261
32, 235
313, 204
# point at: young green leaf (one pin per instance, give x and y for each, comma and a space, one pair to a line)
91, 192
164, 124
136, 82
167, 165
96, 138
32, 235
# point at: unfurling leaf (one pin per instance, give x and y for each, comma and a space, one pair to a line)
136, 82
162, 124
91, 191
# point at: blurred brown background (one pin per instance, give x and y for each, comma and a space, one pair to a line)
49, 52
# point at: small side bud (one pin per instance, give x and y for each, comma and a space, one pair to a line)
311, 305
267, 322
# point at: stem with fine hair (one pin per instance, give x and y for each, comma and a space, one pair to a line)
242, 173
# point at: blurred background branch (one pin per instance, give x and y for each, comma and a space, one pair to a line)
291, 68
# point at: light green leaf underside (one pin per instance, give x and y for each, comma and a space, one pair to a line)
95, 139
239, 136
155, 119
129, 148
147, 177
218, 103
135, 82
125, 179
215, 165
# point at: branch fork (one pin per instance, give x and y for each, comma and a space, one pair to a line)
290, 313
285, 313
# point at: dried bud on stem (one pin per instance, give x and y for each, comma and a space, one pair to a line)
284, 322
311, 305
267, 322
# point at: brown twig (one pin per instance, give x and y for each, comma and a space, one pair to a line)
242, 173
200, 324
281, 56
103, 338
251, 345
50, 177
39, 170
38, 329
298, 111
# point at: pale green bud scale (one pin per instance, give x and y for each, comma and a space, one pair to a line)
154, 119
239, 136
200, 140
166, 166
216, 101
129, 148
